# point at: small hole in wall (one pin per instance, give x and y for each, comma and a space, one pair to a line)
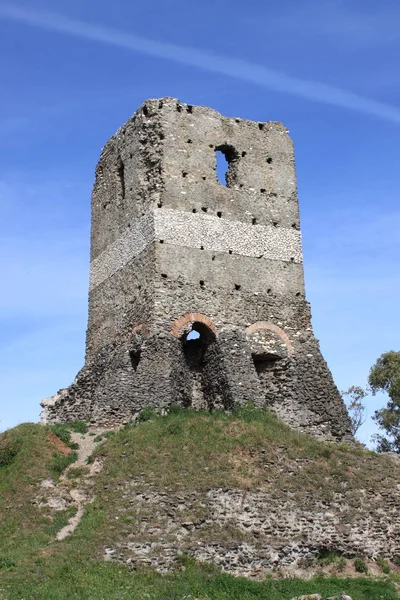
130, 155
204, 208
294, 225
204, 178
263, 190
184, 173
219, 214
211, 145
159, 204
237, 120
237, 286
291, 259
161, 136
241, 185
201, 247
268, 290
230, 251
244, 154
254, 221
160, 104
145, 111
189, 141
269, 160
164, 275
275, 223
139, 287
179, 107
189, 108
298, 294
194, 210
161, 241
201, 283
121, 176
213, 258
134, 356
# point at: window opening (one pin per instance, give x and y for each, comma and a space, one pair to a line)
226, 157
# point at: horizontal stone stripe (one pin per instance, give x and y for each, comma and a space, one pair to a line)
133, 241
181, 228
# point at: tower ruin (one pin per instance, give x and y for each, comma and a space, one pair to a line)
174, 251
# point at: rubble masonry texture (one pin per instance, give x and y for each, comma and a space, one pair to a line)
172, 249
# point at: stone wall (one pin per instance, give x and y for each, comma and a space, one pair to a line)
254, 532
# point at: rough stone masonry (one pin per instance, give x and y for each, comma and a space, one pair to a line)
196, 288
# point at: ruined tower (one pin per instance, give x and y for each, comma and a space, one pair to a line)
173, 251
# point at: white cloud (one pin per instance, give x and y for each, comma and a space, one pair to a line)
230, 67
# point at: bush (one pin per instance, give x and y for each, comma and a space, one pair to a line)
78, 426
383, 565
360, 566
328, 557
147, 414
7, 454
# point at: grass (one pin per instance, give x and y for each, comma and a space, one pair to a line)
182, 452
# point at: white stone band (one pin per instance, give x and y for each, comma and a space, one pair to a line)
181, 228
131, 243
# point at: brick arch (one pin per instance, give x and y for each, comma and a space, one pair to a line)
178, 326
262, 325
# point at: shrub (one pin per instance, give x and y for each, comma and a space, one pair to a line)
78, 426
148, 413
360, 566
383, 565
328, 557
7, 454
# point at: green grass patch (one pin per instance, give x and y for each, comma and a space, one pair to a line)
184, 451
60, 462
63, 431
68, 579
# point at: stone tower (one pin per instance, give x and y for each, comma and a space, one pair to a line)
175, 251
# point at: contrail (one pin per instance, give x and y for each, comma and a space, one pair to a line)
208, 61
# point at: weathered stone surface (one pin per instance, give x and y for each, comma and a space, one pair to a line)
253, 532
168, 241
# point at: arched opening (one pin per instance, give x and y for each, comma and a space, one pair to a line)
196, 341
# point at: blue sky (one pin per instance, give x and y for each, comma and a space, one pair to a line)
73, 72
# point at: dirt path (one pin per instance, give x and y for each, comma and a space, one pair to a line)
69, 491
79, 496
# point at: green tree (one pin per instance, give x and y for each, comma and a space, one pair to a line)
356, 408
385, 376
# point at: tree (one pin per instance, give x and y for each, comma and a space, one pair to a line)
357, 410
385, 376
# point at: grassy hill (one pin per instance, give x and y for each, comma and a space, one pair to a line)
145, 486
